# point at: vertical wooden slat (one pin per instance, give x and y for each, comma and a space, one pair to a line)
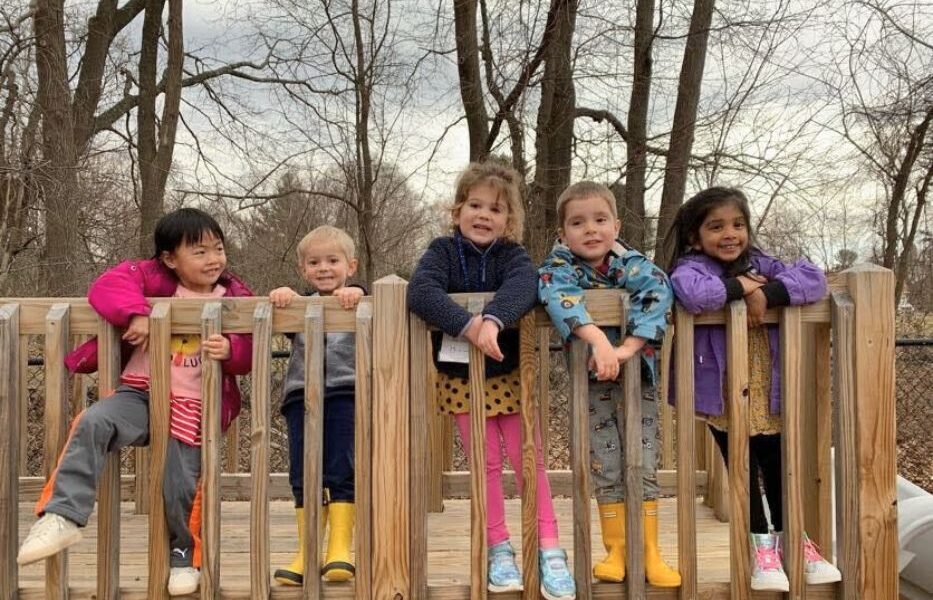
108, 488
439, 434
260, 429
872, 291
423, 409
313, 447
56, 426
477, 465
528, 359
391, 441
822, 533
667, 413
848, 548
10, 408
143, 462
211, 385
791, 358
544, 389
580, 465
24, 407
634, 470
808, 429
737, 365
686, 453
160, 340
363, 449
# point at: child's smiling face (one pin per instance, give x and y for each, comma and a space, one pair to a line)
325, 266
589, 228
484, 216
723, 234
198, 265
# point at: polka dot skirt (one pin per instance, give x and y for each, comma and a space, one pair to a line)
502, 394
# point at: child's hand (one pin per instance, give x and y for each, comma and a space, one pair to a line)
216, 347
757, 305
349, 297
282, 297
604, 361
138, 331
488, 340
472, 331
750, 283
629, 348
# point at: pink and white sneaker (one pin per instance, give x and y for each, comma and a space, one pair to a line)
767, 570
817, 569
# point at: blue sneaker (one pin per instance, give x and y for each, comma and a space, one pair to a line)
556, 580
503, 575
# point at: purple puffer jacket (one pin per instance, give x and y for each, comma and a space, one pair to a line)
121, 292
699, 287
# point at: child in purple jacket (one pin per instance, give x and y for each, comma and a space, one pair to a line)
189, 262
715, 262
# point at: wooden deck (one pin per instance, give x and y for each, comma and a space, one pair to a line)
448, 552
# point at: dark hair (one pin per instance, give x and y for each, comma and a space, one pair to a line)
184, 226
685, 229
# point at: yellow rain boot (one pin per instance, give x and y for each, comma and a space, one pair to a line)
656, 570
612, 523
293, 574
338, 565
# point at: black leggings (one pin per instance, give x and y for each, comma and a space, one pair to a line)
764, 456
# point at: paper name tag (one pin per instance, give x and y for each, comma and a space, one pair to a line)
454, 350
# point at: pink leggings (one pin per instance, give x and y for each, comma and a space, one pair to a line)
508, 428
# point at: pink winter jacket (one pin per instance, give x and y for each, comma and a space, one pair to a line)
121, 292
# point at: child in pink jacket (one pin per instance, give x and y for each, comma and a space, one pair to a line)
189, 262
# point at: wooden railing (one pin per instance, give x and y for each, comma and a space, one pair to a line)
837, 358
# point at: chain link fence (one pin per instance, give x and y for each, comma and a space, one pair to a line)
914, 380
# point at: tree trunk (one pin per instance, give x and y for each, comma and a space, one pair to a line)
62, 264
554, 131
471, 87
364, 160
685, 114
637, 144
156, 147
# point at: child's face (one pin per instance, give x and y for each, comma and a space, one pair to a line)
326, 267
723, 233
198, 265
589, 228
483, 217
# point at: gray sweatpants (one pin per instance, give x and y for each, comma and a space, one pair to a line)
607, 459
107, 426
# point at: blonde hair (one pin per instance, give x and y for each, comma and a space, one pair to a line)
585, 189
326, 233
502, 178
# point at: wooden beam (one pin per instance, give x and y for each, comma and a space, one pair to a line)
737, 354
426, 467
10, 407
363, 449
791, 359
260, 450
211, 440
580, 466
477, 455
528, 359
108, 488
634, 469
160, 356
313, 446
56, 426
686, 454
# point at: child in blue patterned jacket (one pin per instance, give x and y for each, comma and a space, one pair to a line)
589, 255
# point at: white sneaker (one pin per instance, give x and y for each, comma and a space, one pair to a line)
817, 569
49, 535
767, 570
183, 580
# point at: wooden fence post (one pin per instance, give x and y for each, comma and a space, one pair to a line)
10, 406
108, 488
260, 429
737, 406
686, 454
160, 339
56, 425
363, 445
391, 442
211, 400
872, 291
313, 446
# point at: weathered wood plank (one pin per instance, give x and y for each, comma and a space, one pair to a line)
822, 533
108, 488
426, 470
686, 453
10, 408
160, 356
667, 413
478, 515
872, 292
580, 467
737, 353
313, 446
391, 439
791, 359
363, 448
544, 389
528, 359
57, 339
211, 440
630, 415
260, 451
